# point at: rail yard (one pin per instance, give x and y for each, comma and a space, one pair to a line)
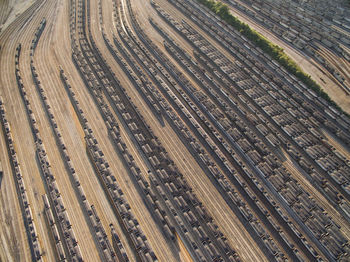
152, 130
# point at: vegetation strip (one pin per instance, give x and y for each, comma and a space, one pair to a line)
276, 52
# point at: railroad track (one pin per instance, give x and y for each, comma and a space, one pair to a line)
136, 114
180, 130
332, 61
187, 28
282, 132
196, 132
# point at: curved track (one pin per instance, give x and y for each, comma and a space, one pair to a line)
179, 139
